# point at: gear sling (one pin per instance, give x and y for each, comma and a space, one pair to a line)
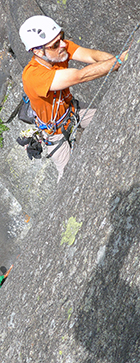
66, 122
70, 117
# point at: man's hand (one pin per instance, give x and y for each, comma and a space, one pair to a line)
123, 55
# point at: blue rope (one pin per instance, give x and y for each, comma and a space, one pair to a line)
73, 135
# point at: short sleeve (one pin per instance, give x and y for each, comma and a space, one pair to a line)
42, 80
71, 48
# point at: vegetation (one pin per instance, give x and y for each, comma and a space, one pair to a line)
2, 128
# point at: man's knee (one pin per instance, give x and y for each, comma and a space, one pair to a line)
87, 118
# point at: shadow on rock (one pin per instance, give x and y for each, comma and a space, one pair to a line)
108, 324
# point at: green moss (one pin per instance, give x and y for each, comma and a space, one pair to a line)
2, 128
71, 230
62, 2
69, 313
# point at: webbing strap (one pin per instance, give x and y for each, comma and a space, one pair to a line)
42, 126
56, 148
66, 133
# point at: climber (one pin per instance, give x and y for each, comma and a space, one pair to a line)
47, 78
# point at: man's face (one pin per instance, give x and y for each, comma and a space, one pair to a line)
55, 51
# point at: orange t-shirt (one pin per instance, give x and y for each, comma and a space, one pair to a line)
37, 79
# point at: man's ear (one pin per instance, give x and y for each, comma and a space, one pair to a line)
38, 52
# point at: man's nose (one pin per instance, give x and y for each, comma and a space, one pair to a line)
62, 44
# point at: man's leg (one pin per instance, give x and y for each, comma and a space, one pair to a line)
87, 118
61, 156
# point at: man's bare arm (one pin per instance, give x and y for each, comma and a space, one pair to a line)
69, 77
90, 55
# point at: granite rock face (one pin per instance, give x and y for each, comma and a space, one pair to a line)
104, 25
73, 294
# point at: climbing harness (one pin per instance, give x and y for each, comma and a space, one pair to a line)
73, 135
43, 131
67, 122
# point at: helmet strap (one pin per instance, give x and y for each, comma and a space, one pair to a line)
44, 55
45, 58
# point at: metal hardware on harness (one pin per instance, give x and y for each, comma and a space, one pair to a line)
74, 118
73, 122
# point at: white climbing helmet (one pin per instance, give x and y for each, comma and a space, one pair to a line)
38, 30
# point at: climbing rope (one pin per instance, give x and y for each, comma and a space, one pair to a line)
3, 277
73, 134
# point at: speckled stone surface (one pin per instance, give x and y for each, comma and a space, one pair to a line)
80, 302
103, 25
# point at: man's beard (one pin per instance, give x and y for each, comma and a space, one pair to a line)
58, 59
